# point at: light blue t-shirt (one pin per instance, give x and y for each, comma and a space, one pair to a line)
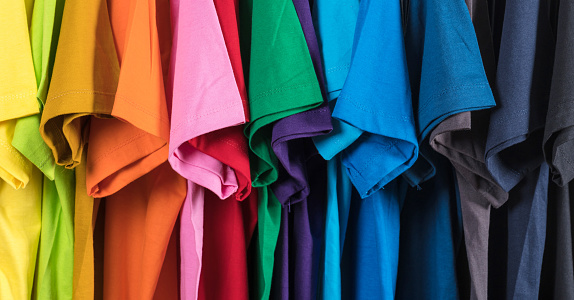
334, 22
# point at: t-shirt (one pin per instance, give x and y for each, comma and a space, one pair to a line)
281, 82
127, 156
135, 142
334, 24
558, 267
44, 33
388, 146
205, 93
20, 181
228, 225
294, 149
514, 143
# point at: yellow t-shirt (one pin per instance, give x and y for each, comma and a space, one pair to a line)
20, 183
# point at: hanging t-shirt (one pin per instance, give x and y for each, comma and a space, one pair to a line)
447, 77
558, 267
282, 82
216, 98
135, 142
127, 158
294, 149
204, 100
20, 181
514, 143
335, 27
228, 225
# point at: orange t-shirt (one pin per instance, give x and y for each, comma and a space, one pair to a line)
127, 159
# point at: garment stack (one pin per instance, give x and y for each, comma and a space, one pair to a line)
286, 149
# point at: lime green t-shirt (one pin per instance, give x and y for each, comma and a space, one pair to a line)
281, 82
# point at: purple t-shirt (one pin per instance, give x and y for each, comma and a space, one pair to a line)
300, 229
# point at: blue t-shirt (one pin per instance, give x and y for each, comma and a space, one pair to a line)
514, 145
376, 98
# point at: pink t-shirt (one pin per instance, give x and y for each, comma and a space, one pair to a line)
205, 98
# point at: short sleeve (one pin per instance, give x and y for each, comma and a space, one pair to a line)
282, 81
335, 28
17, 90
445, 68
134, 142
378, 102
523, 79
84, 80
204, 93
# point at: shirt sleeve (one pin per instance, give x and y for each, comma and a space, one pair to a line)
376, 98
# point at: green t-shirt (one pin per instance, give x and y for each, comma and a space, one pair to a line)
281, 82
54, 267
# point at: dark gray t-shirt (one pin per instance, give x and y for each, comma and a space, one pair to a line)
558, 267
